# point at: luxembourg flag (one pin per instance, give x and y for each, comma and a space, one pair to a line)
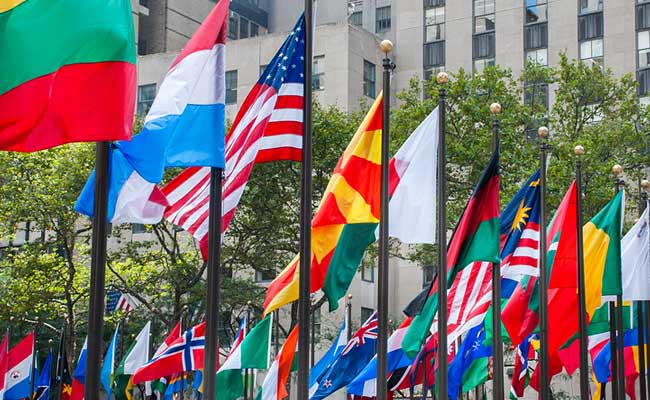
184, 127
17, 378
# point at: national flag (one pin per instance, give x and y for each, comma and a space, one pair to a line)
107, 372
328, 359
268, 127
184, 127
602, 247
82, 86
365, 384
521, 375
635, 259
274, 385
42, 386
471, 351
197, 384
175, 386
475, 240
116, 300
4, 363
183, 354
598, 331
79, 374
19, 369
65, 379
253, 351
356, 354
231, 381
347, 218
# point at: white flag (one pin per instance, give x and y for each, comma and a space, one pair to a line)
413, 203
139, 355
635, 257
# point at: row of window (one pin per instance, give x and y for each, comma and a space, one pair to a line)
382, 19
147, 93
241, 28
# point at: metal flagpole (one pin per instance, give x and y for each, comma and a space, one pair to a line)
312, 342
645, 186
386, 46
640, 323
32, 378
582, 304
305, 213
349, 316
442, 379
213, 285
97, 271
59, 364
542, 132
620, 351
613, 348
497, 344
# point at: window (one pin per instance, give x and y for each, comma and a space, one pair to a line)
231, 87
483, 42
263, 276
592, 50
255, 29
483, 7
432, 72
233, 25
369, 73
535, 36
539, 56
590, 26
536, 94
643, 48
643, 45
382, 19
590, 6
479, 65
263, 68
484, 23
146, 95
483, 46
643, 16
243, 28
365, 314
138, 228
428, 272
434, 24
433, 3
356, 18
536, 11
318, 73
643, 77
367, 272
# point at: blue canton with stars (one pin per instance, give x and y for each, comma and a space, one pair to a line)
288, 64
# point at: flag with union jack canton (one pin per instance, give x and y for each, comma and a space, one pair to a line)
268, 127
184, 354
358, 352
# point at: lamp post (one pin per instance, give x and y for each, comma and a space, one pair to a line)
441, 191
579, 151
542, 133
386, 46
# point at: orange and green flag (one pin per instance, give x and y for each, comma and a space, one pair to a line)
345, 222
67, 72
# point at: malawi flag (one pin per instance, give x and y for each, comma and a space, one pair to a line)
476, 238
67, 72
345, 222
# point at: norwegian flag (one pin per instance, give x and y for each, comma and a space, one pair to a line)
268, 127
367, 331
521, 375
184, 354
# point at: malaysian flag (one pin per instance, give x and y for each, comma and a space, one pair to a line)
116, 300
268, 127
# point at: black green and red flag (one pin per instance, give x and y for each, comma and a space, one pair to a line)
475, 239
67, 72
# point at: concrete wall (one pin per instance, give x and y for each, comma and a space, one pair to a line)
509, 22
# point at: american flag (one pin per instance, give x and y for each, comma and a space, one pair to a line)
116, 300
367, 331
268, 127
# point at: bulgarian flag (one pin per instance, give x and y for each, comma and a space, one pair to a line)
67, 72
274, 386
348, 215
475, 239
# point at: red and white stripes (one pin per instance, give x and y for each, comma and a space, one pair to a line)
525, 259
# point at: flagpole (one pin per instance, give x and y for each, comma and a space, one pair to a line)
443, 374
213, 285
97, 271
305, 213
645, 186
542, 132
620, 351
582, 304
31, 372
59, 363
640, 323
497, 344
386, 46
349, 315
